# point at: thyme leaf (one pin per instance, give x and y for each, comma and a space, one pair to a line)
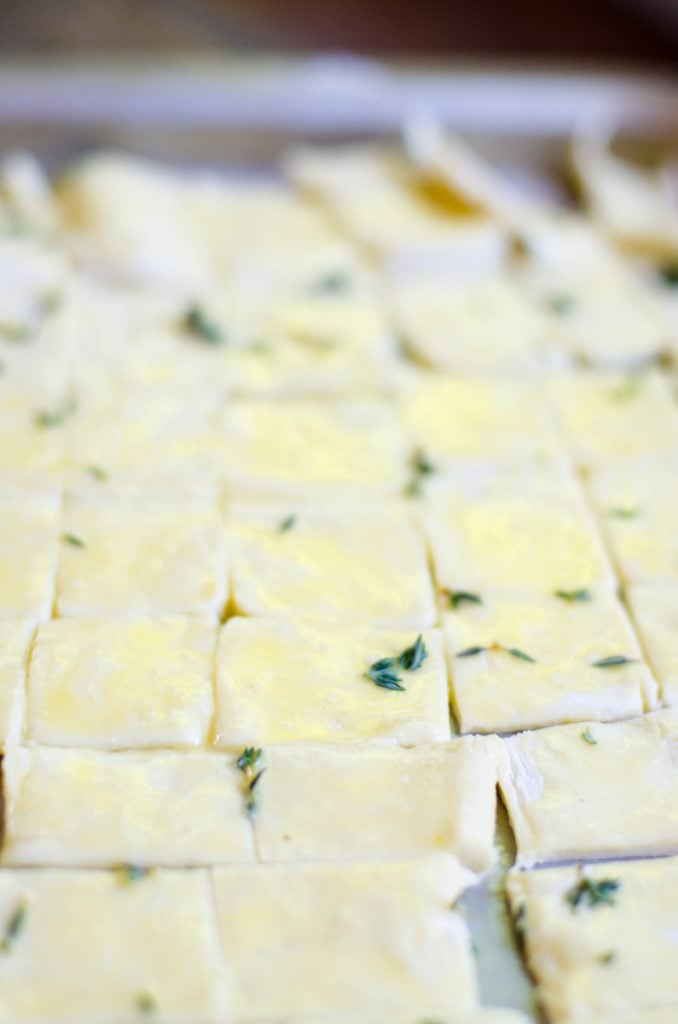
196, 322
287, 524
146, 1002
97, 473
248, 763
588, 737
421, 467
386, 671
613, 661
73, 540
14, 927
515, 652
624, 512
128, 874
594, 893
458, 597
470, 652
573, 595
333, 283
47, 418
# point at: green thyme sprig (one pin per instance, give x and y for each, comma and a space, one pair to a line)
45, 419
613, 661
196, 322
14, 926
573, 596
128, 874
588, 892
249, 764
515, 652
421, 468
386, 671
459, 597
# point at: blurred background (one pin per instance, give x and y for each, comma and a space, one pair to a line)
642, 32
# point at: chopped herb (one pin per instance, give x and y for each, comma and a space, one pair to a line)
588, 737
624, 512
196, 322
383, 674
613, 661
573, 595
332, 283
46, 418
608, 957
668, 274
413, 657
75, 542
248, 763
562, 304
421, 468
97, 473
628, 388
14, 927
128, 874
470, 652
385, 671
458, 597
248, 758
287, 524
146, 1002
588, 891
515, 652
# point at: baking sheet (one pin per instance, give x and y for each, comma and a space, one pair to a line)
240, 116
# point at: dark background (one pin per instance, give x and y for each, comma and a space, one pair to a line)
643, 32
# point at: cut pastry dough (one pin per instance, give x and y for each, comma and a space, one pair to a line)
352, 562
472, 327
110, 683
463, 421
314, 449
15, 642
611, 416
94, 809
655, 610
637, 509
143, 554
152, 944
29, 514
517, 534
551, 677
593, 790
356, 803
385, 937
611, 957
284, 680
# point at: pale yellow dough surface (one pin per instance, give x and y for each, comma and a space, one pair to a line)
312, 449
349, 561
355, 803
87, 808
385, 936
568, 949
142, 555
510, 533
156, 938
283, 681
655, 611
593, 790
125, 683
495, 691
29, 514
15, 642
